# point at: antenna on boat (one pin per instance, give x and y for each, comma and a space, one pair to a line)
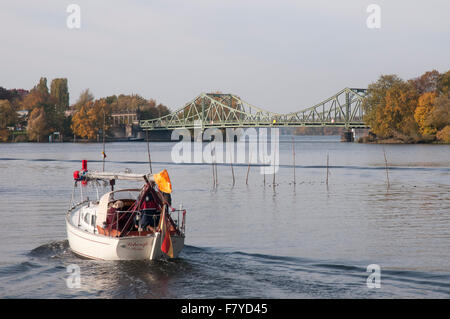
148, 151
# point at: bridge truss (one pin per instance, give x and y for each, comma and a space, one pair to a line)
217, 110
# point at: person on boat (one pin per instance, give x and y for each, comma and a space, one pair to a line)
148, 214
111, 216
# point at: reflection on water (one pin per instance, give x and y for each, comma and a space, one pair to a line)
302, 240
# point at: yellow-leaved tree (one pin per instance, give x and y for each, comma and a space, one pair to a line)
91, 118
423, 114
37, 127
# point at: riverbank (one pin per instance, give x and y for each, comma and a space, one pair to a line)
368, 140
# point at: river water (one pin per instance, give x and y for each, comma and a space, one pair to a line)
307, 240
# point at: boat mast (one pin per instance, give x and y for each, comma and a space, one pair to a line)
103, 151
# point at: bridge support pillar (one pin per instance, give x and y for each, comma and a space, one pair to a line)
348, 136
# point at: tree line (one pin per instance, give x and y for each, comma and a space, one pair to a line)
48, 111
412, 111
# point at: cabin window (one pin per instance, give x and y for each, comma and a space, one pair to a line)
93, 219
87, 218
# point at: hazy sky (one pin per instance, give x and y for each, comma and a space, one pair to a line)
281, 55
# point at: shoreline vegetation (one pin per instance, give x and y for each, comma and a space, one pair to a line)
34, 115
408, 112
398, 112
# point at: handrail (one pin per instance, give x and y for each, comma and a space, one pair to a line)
179, 224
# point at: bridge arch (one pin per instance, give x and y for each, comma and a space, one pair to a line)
217, 110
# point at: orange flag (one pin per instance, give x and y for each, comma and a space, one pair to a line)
163, 181
166, 245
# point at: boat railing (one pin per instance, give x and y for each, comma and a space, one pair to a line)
74, 205
178, 217
176, 213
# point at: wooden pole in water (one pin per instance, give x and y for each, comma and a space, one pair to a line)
213, 171
215, 162
232, 170
214, 178
217, 178
293, 155
248, 169
148, 152
264, 174
386, 166
327, 167
273, 181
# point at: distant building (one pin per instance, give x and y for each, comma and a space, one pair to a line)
22, 114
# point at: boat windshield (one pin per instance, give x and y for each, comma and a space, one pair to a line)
124, 194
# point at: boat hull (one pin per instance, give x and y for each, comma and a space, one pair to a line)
101, 247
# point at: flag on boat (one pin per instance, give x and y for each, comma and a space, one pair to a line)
163, 181
104, 155
166, 245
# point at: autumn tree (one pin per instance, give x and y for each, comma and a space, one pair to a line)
440, 116
444, 134
428, 82
85, 97
389, 107
37, 127
398, 119
433, 110
147, 109
80, 122
39, 97
375, 102
423, 114
91, 118
443, 85
8, 116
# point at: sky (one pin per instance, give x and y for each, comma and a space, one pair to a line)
282, 55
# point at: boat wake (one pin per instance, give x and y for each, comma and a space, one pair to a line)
54, 249
205, 272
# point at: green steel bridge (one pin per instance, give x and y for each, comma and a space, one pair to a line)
217, 110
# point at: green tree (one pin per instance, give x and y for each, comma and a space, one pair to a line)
60, 92
42, 86
39, 97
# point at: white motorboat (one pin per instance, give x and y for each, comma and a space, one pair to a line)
125, 224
